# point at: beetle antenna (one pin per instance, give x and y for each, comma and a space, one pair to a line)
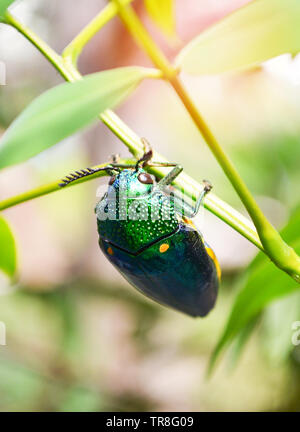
171, 176
84, 173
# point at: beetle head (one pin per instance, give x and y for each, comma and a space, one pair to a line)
130, 183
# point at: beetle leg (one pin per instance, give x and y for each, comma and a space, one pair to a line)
207, 187
192, 211
185, 209
161, 164
146, 159
120, 165
115, 158
148, 151
171, 176
147, 156
115, 162
84, 173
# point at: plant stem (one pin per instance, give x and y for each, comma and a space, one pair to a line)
75, 47
46, 189
131, 140
47, 51
279, 252
211, 202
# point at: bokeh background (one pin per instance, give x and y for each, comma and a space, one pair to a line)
78, 336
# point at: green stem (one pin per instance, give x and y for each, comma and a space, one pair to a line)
47, 52
278, 251
132, 141
184, 182
75, 47
46, 189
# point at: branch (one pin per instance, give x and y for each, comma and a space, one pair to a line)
73, 50
279, 252
214, 204
47, 189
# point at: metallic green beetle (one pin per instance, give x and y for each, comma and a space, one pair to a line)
144, 234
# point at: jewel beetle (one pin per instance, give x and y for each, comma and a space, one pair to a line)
147, 236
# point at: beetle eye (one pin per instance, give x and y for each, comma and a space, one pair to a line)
111, 180
145, 178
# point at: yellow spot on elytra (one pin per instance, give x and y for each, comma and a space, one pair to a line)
211, 253
163, 247
110, 251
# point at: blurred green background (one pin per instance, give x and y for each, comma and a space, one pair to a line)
78, 336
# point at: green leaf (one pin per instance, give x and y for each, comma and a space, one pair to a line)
264, 284
277, 327
257, 32
162, 13
63, 110
7, 249
3, 7
241, 340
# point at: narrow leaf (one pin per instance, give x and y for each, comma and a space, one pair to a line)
7, 249
264, 284
277, 327
63, 110
241, 340
257, 32
3, 7
162, 13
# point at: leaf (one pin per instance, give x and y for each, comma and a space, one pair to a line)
162, 13
3, 7
254, 33
264, 284
240, 341
7, 249
277, 327
64, 109
290, 233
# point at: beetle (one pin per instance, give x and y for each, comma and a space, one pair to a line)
153, 242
